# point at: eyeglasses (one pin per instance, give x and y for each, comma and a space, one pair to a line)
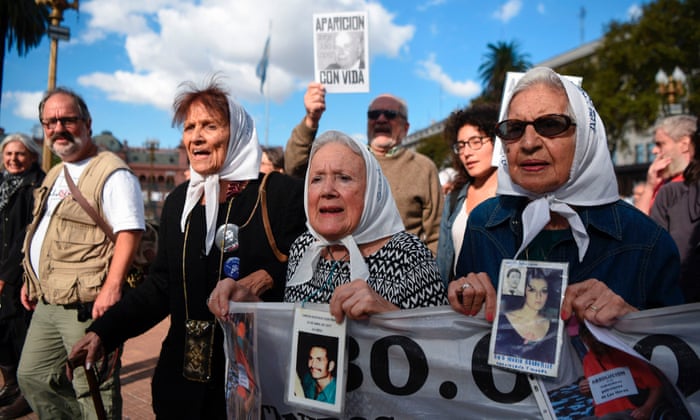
547, 125
67, 122
474, 143
389, 114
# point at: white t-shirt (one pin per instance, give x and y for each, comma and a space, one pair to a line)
459, 227
122, 202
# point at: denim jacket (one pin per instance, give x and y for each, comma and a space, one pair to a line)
628, 251
446, 248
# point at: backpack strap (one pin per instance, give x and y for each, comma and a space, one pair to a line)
78, 196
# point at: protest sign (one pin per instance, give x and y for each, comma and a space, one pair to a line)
341, 57
432, 363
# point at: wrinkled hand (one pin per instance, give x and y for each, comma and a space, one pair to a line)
106, 299
227, 290
594, 301
640, 413
29, 305
89, 346
468, 294
357, 300
315, 104
258, 282
655, 171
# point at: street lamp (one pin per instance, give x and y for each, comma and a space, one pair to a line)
56, 33
672, 89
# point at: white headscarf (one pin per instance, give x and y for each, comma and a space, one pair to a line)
242, 162
380, 216
591, 180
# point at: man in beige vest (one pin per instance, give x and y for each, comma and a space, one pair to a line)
73, 270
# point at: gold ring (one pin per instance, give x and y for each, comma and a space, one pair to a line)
593, 308
466, 286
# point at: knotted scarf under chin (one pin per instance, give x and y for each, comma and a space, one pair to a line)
537, 214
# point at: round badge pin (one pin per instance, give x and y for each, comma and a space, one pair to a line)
226, 238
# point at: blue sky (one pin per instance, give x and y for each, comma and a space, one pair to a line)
127, 58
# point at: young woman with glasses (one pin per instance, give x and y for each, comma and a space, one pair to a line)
470, 133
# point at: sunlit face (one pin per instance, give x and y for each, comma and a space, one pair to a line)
476, 162
17, 158
319, 365
677, 151
336, 191
536, 163
383, 133
70, 142
205, 136
348, 50
536, 294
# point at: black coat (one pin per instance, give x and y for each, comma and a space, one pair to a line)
14, 219
162, 293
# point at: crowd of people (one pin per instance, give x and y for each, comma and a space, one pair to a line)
331, 220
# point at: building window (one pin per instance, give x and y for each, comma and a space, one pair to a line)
650, 153
640, 155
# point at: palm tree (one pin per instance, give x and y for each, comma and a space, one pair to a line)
22, 24
501, 58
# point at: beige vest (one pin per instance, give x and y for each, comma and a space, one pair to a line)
75, 253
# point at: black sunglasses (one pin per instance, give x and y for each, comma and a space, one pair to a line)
389, 114
547, 125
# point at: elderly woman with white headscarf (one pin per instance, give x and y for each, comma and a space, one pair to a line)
558, 201
356, 254
228, 223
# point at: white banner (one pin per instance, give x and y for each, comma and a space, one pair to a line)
432, 363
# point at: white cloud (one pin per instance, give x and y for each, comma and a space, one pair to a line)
23, 104
430, 70
634, 12
169, 41
508, 11
541, 9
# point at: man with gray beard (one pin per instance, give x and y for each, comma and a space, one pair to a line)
74, 272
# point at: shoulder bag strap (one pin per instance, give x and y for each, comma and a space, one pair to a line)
78, 196
262, 193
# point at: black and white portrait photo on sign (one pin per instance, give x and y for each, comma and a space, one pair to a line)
316, 377
341, 57
527, 331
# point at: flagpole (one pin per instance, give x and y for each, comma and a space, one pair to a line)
267, 112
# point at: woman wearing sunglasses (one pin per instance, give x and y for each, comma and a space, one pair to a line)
558, 201
470, 134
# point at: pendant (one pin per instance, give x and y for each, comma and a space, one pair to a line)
226, 238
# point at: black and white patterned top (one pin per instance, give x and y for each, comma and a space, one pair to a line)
403, 271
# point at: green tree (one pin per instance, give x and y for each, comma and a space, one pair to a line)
621, 76
501, 58
22, 24
436, 149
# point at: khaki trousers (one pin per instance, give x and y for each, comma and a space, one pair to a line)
42, 369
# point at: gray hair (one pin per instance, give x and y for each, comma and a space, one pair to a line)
678, 126
27, 141
79, 103
544, 76
333, 136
